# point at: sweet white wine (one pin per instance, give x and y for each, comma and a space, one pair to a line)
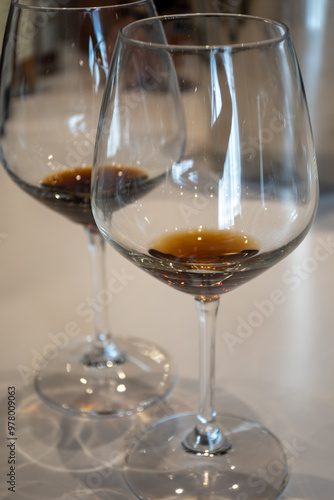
71, 189
204, 262
201, 246
68, 191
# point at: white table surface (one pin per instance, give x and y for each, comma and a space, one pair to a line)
281, 375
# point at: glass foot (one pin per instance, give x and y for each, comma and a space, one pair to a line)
158, 466
67, 383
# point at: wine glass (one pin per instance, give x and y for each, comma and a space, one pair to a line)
54, 64
236, 195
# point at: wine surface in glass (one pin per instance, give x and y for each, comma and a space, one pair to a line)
213, 260
200, 246
68, 191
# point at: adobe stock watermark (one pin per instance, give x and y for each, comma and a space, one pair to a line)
292, 279
87, 309
32, 25
83, 148
256, 144
249, 148
266, 476
94, 479
98, 480
229, 6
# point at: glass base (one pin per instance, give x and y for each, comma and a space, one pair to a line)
68, 384
158, 466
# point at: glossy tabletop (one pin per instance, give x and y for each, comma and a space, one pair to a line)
274, 353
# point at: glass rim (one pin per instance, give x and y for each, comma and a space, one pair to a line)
51, 5
285, 33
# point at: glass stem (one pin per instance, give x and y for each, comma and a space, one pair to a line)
103, 351
206, 438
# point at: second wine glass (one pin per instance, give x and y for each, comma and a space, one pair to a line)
237, 192
54, 64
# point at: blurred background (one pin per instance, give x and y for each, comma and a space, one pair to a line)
310, 22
